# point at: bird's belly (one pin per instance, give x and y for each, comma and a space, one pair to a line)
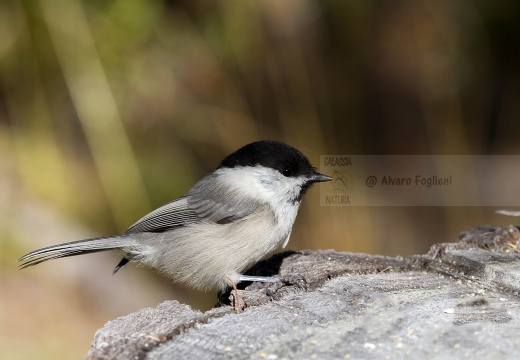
202, 255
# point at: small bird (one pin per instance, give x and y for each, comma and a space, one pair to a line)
224, 225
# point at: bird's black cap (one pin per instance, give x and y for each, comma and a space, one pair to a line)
273, 154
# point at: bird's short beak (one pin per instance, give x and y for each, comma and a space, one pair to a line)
317, 177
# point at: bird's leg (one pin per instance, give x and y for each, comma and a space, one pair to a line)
237, 302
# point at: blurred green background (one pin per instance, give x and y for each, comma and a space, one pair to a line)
109, 109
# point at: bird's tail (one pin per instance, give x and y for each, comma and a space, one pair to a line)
75, 248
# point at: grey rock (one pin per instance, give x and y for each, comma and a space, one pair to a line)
461, 300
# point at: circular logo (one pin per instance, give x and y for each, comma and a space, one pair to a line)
342, 181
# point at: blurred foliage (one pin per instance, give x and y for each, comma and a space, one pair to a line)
111, 108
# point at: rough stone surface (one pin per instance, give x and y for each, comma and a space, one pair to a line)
461, 300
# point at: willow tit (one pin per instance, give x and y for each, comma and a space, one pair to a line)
224, 225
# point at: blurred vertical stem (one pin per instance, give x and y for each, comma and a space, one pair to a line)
96, 109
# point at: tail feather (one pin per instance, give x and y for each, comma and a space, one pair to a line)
74, 248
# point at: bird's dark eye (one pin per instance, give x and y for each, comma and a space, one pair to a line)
287, 172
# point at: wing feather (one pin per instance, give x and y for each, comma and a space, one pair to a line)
212, 200
206, 202
170, 216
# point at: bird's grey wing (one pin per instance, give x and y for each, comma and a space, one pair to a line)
207, 201
175, 214
213, 201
